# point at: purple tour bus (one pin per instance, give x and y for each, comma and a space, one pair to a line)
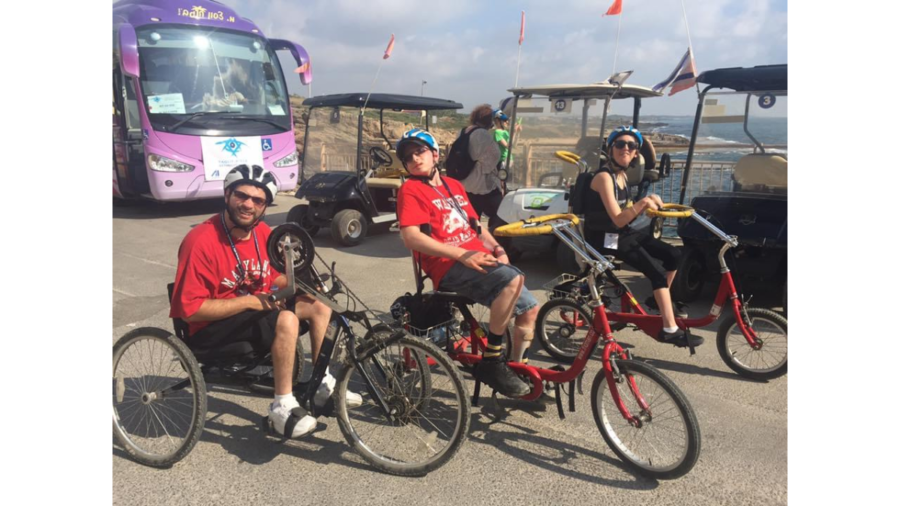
197, 90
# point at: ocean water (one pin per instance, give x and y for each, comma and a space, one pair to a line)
765, 130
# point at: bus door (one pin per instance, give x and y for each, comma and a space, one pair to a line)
128, 142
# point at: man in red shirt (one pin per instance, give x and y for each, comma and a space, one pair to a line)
460, 260
221, 289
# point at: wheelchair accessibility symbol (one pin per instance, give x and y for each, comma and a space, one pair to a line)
267, 144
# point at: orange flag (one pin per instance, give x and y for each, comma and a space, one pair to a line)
387, 52
615, 8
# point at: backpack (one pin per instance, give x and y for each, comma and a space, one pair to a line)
459, 163
579, 193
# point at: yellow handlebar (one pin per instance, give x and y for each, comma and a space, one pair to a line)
568, 156
672, 211
523, 228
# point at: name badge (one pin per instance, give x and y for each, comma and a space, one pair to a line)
611, 241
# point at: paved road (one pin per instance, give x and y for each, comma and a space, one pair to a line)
530, 456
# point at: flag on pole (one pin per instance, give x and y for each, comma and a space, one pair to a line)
522, 30
614, 9
302, 68
390, 47
683, 77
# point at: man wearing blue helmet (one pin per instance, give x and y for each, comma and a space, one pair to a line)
458, 259
609, 216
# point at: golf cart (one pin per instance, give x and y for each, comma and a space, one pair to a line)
355, 175
548, 136
755, 207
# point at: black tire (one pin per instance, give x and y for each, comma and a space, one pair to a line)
674, 431
561, 335
267, 385
688, 283
348, 227
566, 259
298, 214
764, 364
426, 431
156, 426
300, 242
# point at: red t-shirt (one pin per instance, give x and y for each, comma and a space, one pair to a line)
419, 203
207, 268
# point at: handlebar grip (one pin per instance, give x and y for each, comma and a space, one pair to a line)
280, 295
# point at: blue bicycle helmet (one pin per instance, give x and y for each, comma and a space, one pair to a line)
634, 132
499, 114
417, 136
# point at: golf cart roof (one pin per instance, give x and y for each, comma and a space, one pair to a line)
382, 101
595, 90
759, 78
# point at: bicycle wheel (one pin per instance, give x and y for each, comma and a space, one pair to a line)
562, 326
159, 397
667, 443
766, 363
425, 428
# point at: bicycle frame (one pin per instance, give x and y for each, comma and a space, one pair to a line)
599, 327
633, 313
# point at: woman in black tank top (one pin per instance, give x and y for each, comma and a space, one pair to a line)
609, 213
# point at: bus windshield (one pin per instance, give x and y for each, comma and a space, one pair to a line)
196, 79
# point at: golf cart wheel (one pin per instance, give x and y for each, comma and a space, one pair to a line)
349, 227
299, 215
689, 281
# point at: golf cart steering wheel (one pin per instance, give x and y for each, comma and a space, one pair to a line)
568, 156
672, 211
532, 226
380, 156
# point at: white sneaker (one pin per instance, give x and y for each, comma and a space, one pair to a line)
280, 413
327, 388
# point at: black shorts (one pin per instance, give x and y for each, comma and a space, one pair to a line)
254, 327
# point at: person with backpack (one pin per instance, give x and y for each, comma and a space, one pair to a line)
461, 256
476, 151
609, 219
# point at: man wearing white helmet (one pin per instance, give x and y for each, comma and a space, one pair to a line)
222, 286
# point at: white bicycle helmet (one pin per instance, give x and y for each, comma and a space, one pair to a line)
256, 176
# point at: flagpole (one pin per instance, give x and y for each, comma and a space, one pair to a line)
616, 56
363, 110
690, 45
519, 56
518, 59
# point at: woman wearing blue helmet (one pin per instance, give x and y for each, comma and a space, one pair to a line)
609, 216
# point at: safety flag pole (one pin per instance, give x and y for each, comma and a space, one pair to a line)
690, 45
521, 39
616, 10
387, 54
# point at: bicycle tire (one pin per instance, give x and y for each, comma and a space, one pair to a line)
639, 448
156, 427
562, 339
405, 446
767, 363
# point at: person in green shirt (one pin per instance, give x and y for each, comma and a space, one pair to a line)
501, 135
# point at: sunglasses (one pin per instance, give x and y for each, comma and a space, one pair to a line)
623, 144
258, 201
408, 156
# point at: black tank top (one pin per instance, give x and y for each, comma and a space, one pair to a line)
595, 217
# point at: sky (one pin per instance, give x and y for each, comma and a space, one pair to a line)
466, 49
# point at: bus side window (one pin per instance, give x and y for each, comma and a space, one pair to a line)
132, 116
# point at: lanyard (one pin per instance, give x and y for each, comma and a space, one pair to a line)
452, 200
234, 249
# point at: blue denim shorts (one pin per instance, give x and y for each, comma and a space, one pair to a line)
484, 288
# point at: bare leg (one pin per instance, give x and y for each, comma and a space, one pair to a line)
503, 306
664, 301
283, 350
523, 334
318, 315
670, 276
